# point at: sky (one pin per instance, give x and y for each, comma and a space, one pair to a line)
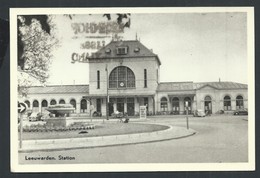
198, 47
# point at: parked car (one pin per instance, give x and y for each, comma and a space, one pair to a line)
35, 116
241, 112
199, 113
97, 114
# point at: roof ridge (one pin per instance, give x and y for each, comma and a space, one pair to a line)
218, 82
126, 40
178, 82
61, 85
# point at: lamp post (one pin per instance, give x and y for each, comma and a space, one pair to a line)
187, 118
107, 94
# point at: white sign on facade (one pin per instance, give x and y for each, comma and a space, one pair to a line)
142, 112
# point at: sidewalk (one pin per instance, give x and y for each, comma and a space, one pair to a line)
103, 141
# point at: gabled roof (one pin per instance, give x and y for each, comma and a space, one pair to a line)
131, 45
175, 86
220, 85
54, 89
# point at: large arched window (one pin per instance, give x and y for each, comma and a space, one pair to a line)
83, 105
61, 101
227, 103
164, 104
53, 102
122, 77
44, 103
35, 104
239, 102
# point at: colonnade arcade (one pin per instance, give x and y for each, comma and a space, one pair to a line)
174, 104
37, 105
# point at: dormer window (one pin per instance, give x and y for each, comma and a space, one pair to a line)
121, 50
108, 50
136, 50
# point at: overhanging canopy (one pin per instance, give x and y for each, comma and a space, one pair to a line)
122, 95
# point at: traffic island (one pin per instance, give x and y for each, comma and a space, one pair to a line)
106, 140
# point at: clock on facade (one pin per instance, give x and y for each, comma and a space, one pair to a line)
121, 84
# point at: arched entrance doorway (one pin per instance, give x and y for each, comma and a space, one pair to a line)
83, 105
44, 105
73, 103
176, 105
35, 106
227, 103
188, 101
164, 105
239, 102
208, 105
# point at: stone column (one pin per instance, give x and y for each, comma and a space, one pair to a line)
40, 106
77, 107
125, 106
194, 103
181, 104
233, 104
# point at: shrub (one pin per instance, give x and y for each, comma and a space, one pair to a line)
61, 106
44, 128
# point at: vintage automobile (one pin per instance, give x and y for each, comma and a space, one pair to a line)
35, 116
123, 117
199, 113
241, 112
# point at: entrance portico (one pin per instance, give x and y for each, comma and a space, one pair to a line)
126, 103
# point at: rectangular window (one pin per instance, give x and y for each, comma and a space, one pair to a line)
122, 50
98, 79
99, 105
145, 78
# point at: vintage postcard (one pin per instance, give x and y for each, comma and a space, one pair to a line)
132, 89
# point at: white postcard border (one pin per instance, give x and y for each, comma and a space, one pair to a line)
16, 167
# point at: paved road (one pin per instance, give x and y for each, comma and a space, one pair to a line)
219, 139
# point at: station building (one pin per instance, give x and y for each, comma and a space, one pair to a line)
124, 75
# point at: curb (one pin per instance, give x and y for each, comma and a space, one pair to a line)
94, 141
100, 146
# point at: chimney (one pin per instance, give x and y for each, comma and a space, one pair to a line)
219, 80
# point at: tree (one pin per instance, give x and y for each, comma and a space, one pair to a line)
36, 40
35, 44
